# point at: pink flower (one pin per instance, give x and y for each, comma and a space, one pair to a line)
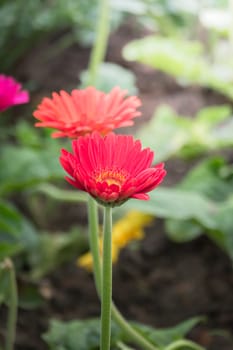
85, 111
11, 93
111, 169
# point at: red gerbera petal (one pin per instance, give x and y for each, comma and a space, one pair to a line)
85, 111
112, 169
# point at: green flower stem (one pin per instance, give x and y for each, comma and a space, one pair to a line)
93, 229
97, 56
62, 195
13, 305
94, 247
183, 343
99, 49
130, 331
122, 346
106, 290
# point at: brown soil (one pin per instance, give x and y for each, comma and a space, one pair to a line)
160, 283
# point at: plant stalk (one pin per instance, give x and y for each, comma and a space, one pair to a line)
136, 337
106, 290
12, 305
99, 49
97, 56
116, 315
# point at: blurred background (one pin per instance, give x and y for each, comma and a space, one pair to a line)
177, 57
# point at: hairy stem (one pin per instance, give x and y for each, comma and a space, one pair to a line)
106, 290
116, 315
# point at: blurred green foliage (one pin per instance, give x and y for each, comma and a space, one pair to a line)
29, 162
193, 43
213, 179
35, 157
201, 202
203, 198
163, 16
185, 60
53, 250
170, 17
178, 204
29, 167
23, 23
111, 75
16, 232
182, 136
85, 334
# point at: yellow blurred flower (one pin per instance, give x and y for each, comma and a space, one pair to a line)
127, 229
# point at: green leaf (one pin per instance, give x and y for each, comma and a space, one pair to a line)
181, 136
172, 133
53, 250
178, 204
212, 116
223, 134
180, 58
111, 75
164, 337
9, 218
183, 230
27, 135
73, 335
9, 249
206, 131
225, 224
185, 60
16, 232
85, 334
212, 178
29, 167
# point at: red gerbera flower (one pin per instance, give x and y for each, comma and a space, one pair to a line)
111, 169
85, 111
11, 93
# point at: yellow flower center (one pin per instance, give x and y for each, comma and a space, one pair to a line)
112, 177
